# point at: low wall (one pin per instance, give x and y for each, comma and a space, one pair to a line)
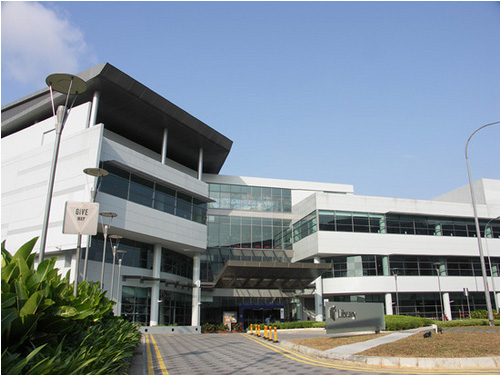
180, 330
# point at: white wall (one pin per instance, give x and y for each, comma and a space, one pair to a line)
26, 163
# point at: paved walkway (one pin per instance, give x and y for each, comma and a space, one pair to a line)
246, 354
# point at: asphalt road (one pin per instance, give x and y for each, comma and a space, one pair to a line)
243, 354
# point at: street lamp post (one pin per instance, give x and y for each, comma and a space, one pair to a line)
491, 268
66, 84
94, 172
110, 216
395, 273
438, 271
121, 254
117, 239
478, 229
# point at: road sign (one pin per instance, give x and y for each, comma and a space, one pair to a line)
81, 218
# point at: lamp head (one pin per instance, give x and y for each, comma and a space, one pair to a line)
96, 172
67, 84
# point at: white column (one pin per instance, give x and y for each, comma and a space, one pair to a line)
95, 107
388, 304
200, 164
318, 295
155, 289
195, 312
164, 146
497, 301
447, 305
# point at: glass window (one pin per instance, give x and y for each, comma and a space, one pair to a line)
361, 222
115, 185
327, 220
184, 204
165, 199
141, 191
343, 221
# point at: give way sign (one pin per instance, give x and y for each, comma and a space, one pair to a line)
81, 218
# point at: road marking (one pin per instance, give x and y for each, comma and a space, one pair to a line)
150, 357
161, 364
307, 360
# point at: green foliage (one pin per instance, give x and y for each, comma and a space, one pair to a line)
237, 327
402, 322
208, 327
47, 330
462, 323
479, 314
222, 327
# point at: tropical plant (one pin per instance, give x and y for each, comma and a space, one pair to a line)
208, 327
47, 330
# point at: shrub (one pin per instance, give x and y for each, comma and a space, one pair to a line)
462, 323
47, 330
401, 322
479, 314
208, 327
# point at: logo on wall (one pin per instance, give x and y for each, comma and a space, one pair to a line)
341, 314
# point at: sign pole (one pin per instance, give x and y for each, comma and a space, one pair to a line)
78, 254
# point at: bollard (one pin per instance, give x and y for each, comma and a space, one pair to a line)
251, 329
270, 337
275, 335
265, 331
257, 330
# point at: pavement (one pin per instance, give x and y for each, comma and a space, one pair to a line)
349, 353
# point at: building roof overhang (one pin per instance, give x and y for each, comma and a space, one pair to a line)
268, 275
134, 111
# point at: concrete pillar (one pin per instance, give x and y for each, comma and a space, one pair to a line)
447, 305
497, 301
164, 146
195, 312
383, 225
155, 289
95, 107
388, 304
200, 165
318, 295
385, 266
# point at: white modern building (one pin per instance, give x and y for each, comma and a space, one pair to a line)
198, 244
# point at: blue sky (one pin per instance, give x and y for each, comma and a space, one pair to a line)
381, 95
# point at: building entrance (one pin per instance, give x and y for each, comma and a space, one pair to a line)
252, 313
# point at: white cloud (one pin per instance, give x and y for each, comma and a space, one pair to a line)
36, 42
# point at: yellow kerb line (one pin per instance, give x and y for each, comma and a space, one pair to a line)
158, 356
295, 356
150, 357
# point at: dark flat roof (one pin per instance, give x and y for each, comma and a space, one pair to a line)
268, 275
134, 111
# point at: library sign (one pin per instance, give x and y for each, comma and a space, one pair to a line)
354, 317
81, 218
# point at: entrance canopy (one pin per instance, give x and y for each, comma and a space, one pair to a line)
268, 275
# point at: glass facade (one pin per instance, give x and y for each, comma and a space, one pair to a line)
248, 232
406, 265
136, 304
140, 255
426, 305
250, 198
175, 308
364, 222
177, 264
243, 238
126, 185
258, 239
